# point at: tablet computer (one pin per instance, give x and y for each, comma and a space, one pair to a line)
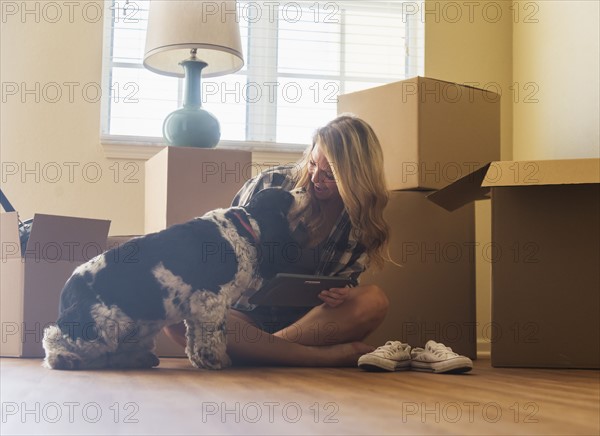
296, 290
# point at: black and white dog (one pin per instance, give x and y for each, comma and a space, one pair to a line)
113, 306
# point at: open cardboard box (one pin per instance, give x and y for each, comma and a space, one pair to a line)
545, 257
30, 286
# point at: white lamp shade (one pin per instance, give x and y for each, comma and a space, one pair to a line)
175, 27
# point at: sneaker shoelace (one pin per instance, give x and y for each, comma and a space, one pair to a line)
441, 351
389, 349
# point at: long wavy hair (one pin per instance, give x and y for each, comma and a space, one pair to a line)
356, 159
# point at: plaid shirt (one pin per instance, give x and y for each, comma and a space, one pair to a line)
342, 254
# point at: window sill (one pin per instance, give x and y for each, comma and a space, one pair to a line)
144, 147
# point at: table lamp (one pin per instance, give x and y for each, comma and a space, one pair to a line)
192, 39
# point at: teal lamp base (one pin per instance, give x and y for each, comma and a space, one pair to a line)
192, 127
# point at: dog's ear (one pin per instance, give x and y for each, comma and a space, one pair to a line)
271, 200
270, 208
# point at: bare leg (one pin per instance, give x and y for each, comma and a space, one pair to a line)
360, 314
248, 345
325, 336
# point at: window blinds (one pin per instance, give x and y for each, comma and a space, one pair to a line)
299, 56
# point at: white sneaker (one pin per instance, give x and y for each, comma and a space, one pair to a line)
438, 358
393, 356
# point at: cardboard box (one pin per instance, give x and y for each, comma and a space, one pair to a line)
165, 347
432, 132
30, 286
545, 276
432, 296
183, 183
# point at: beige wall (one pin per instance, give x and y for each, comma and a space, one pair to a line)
557, 116
471, 45
60, 131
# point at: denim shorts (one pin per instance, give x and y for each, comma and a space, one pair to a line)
271, 319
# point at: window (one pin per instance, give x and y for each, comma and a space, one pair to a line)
299, 56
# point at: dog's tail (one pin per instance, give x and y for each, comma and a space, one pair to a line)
56, 345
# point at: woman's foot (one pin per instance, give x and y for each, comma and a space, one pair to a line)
341, 354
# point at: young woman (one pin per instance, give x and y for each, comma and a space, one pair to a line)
342, 175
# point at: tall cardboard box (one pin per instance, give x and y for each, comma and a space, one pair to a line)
432, 293
183, 183
432, 132
30, 286
545, 257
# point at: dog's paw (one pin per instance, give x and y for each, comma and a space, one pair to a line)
225, 362
62, 361
210, 361
137, 359
148, 360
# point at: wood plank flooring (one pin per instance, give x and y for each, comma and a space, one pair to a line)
177, 399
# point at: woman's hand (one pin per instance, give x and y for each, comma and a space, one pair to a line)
334, 297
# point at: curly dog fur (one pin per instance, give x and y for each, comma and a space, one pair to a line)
113, 306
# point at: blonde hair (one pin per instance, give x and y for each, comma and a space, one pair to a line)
356, 159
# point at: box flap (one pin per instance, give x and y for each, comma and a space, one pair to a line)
476, 185
465, 190
66, 238
543, 172
9, 236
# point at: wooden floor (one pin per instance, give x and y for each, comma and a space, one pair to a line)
177, 399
